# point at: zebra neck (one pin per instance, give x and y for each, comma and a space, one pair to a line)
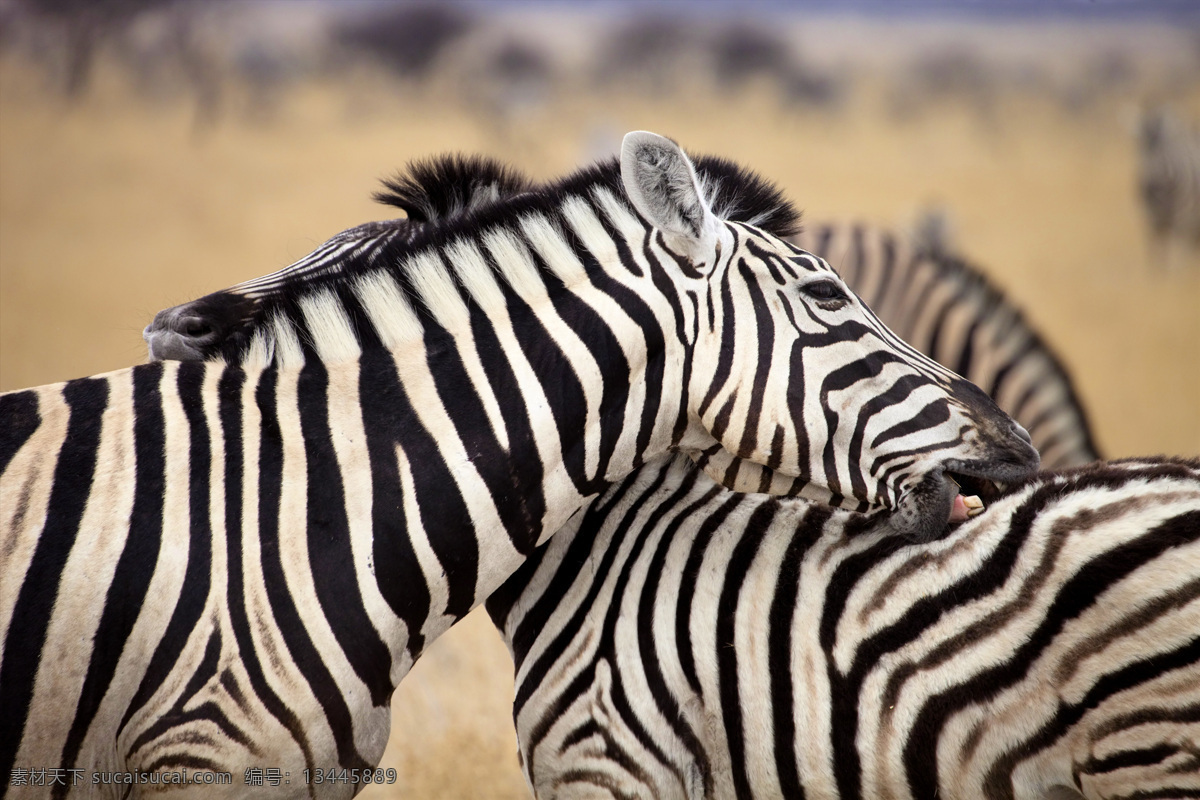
454, 455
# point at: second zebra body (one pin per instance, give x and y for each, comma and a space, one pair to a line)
684, 641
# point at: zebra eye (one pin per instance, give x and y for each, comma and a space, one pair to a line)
824, 291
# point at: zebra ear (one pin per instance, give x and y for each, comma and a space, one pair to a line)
662, 185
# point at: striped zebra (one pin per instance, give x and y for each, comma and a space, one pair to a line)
1169, 180
947, 309
211, 565
679, 640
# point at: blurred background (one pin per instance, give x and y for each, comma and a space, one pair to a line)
152, 151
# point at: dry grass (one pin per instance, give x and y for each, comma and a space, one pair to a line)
114, 209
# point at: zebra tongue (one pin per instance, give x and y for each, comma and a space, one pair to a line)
965, 507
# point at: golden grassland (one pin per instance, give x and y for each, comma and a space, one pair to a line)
114, 207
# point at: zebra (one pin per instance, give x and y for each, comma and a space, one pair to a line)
415, 410
1169, 180
946, 307
679, 640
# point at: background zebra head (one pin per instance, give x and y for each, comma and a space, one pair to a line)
783, 366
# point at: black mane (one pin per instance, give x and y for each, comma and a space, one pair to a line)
453, 191
443, 187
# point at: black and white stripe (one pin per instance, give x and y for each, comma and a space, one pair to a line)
232, 562
681, 640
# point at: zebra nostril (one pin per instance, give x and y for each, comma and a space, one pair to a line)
196, 328
1020, 431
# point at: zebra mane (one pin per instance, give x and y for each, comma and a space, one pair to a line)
463, 194
443, 187
451, 200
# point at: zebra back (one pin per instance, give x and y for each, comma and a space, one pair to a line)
945, 307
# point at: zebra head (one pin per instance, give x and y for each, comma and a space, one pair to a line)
873, 421
773, 366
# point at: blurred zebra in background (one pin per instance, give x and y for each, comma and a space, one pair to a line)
945, 307
1169, 184
679, 640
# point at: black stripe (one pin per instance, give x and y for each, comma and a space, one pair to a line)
861, 369
656, 366
300, 647
398, 574
1137, 757
594, 520
894, 395
390, 420
198, 575
26, 637
728, 343
607, 645
843, 713
19, 413
929, 417
998, 781
780, 647
766, 356
524, 461
651, 660
233, 424
330, 555
726, 657
560, 384
515, 492
795, 404
690, 578
184, 712
653, 376
139, 557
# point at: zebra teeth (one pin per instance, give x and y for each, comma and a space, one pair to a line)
974, 505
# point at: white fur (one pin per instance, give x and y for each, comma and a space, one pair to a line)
390, 312
332, 335
435, 286
548, 242
288, 353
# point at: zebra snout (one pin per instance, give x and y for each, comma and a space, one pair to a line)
178, 336
1021, 433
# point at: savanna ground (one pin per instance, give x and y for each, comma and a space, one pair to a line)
113, 206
